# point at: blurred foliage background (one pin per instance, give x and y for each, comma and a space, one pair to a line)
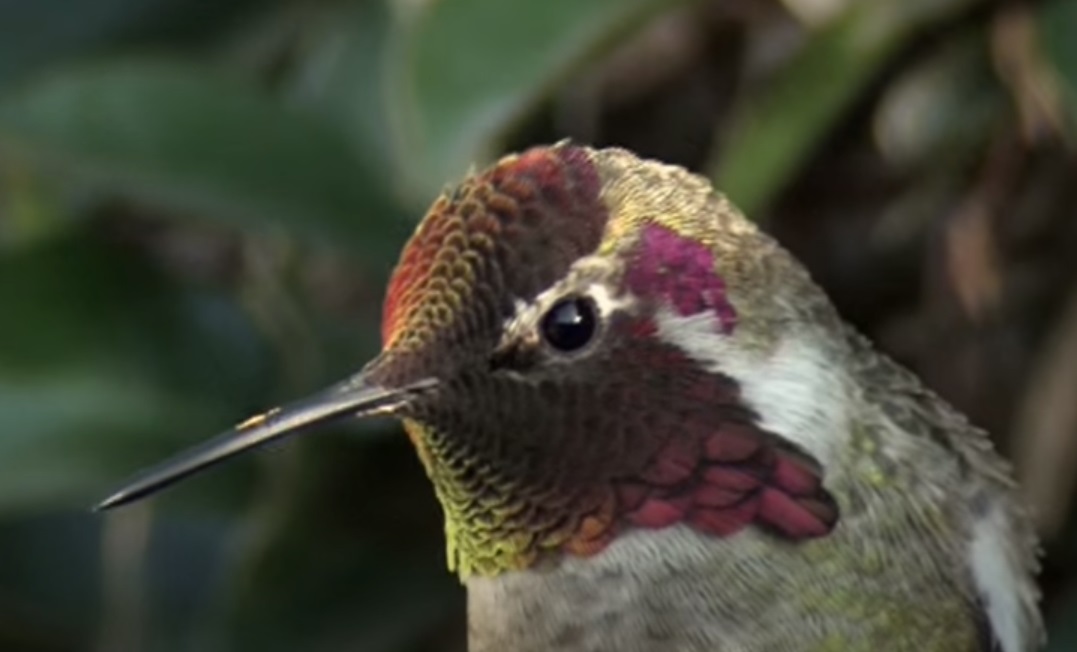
200, 201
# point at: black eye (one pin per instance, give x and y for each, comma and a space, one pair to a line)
570, 324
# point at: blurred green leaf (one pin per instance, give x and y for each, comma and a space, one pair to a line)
33, 34
342, 74
471, 67
778, 127
1058, 24
187, 140
30, 210
104, 366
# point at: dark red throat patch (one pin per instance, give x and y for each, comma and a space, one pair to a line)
734, 477
709, 464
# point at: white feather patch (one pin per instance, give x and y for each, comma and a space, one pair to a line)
997, 578
797, 392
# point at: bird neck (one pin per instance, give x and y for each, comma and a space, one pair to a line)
519, 488
717, 479
677, 589
488, 531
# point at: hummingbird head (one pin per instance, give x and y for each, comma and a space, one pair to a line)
582, 344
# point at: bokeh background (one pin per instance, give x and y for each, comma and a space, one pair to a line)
200, 201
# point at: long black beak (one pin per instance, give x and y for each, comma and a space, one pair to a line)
351, 398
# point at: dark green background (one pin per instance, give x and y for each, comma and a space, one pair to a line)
200, 202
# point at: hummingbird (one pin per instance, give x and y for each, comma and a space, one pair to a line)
650, 431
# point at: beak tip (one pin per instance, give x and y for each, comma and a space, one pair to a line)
353, 397
124, 496
114, 500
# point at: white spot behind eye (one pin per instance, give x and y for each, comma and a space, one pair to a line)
606, 302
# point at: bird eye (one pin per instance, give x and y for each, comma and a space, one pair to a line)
570, 324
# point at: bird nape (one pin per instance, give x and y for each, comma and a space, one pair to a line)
650, 431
